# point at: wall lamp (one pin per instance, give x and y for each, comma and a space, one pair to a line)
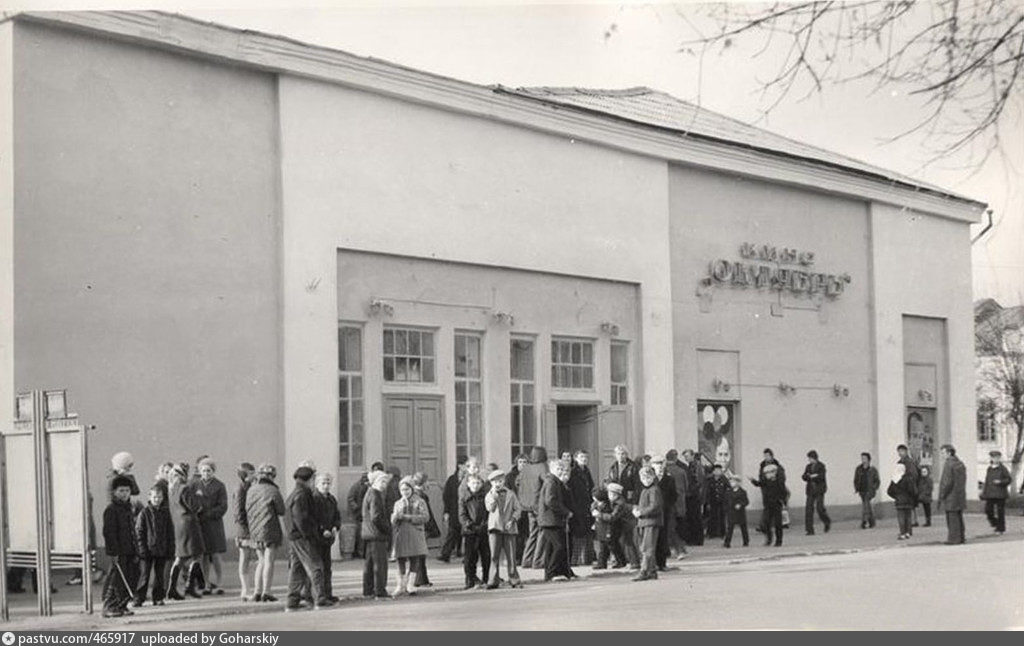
839, 390
925, 396
786, 389
505, 317
381, 307
719, 386
610, 328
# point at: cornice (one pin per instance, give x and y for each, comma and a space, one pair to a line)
285, 56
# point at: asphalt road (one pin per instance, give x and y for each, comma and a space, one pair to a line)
977, 586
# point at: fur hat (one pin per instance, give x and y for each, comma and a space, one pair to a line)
122, 461
303, 473
375, 476
497, 474
120, 481
615, 487
407, 480
266, 470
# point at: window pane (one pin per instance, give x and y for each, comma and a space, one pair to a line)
476, 425
357, 433
564, 377
427, 343
577, 378
522, 359
460, 391
527, 393
577, 353
529, 426
401, 369
565, 350
515, 424
350, 349
554, 351
460, 356
343, 455
414, 343
343, 387
515, 393
389, 341
357, 412
357, 455
357, 387
460, 424
623, 395
428, 370
588, 353
474, 391
473, 356
400, 341
588, 378
414, 369
389, 369
554, 377
620, 364
343, 421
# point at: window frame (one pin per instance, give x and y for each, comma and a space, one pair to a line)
618, 394
518, 402
464, 407
557, 364
356, 437
395, 356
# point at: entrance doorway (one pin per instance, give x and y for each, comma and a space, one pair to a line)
577, 429
414, 435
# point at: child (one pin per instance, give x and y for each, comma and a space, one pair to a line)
608, 521
623, 528
121, 465
925, 485
154, 539
408, 517
649, 513
774, 492
502, 526
473, 518
376, 533
328, 519
119, 537
903, 490
737, 501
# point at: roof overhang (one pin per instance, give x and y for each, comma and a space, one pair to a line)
286, 56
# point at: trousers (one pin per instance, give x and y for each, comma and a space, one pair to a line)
503, 545
452, 538
955, 527
815, 502
556, 558
648, 550
115, 594
157, 566
305, 568
531, 551
324, 552
867, 513
773, 522
903, 519
375, 568
731, 526
476, 548
995, 511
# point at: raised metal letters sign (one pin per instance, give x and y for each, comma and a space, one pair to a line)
765, 267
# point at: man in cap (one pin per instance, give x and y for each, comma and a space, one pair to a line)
995, 491
953, 494
669, 495
304, 564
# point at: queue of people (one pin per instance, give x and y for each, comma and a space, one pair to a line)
546, 514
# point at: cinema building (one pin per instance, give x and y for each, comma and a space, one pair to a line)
229, 243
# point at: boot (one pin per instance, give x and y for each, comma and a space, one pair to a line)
172, 584
193, 577
410, 584
403, 581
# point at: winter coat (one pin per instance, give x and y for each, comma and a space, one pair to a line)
213, 498
409, 518
241, 520
154, 533
603, 519
531, 479
119, 529
300, 519
503, 510
431, 528
903, 492
581, 486
737, 500
450, 495
773, 492
669, 495
814, 476
356, 495
925, 485
717, 490
628, 476
512, 479
264, 505
911, 467
376, 521
997, 483
652, 509
866, 480
696, 482
473, 513
677, 471
953, 485
185, 509
391, 492
553, 503
327, 514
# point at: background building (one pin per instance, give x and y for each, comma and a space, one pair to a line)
999, 345
231, 243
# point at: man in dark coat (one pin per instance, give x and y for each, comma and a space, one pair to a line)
450, 501
695, 493
737, 501
677, 471
625, 472
581, 486
523, 525
376, 535
953, 494
908, 462
304, 564
995, 491
667, 488
717, 491
780, 475
356, 494
553, 513
773, 492
528, 489
866, 483
814, 476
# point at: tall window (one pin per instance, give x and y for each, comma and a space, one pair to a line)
408, 355
572, 363
620, 374
469, 426
986, 421
524, 424
350, 396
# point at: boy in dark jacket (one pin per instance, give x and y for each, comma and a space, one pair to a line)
903, 489
119, 538
473, 520
154, 540
650, 514
773, 492
608, 527
619, 523
328, 521
376, 532
736, 501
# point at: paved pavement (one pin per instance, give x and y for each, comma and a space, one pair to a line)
872, 556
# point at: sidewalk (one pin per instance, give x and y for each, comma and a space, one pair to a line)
845, 537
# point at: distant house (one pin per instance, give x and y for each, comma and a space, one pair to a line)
998, 330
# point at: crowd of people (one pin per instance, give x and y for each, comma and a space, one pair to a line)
546, 514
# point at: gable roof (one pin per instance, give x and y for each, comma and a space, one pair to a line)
649, 107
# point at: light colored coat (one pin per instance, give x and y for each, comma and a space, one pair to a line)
408, 518
503, 511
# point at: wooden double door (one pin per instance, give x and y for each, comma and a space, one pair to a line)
414, 435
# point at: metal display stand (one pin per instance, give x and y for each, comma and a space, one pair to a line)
43, 416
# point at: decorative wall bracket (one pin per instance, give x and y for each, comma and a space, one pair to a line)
506, 318
786, 389
380, 307
720, 386
610, 328
839, 390
925, 395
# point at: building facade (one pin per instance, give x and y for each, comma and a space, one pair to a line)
229, 243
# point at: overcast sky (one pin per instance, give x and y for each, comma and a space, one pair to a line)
568, 44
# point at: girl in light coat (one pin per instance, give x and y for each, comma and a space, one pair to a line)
408, 518
503, 514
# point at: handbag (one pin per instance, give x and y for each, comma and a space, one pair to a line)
785, 516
